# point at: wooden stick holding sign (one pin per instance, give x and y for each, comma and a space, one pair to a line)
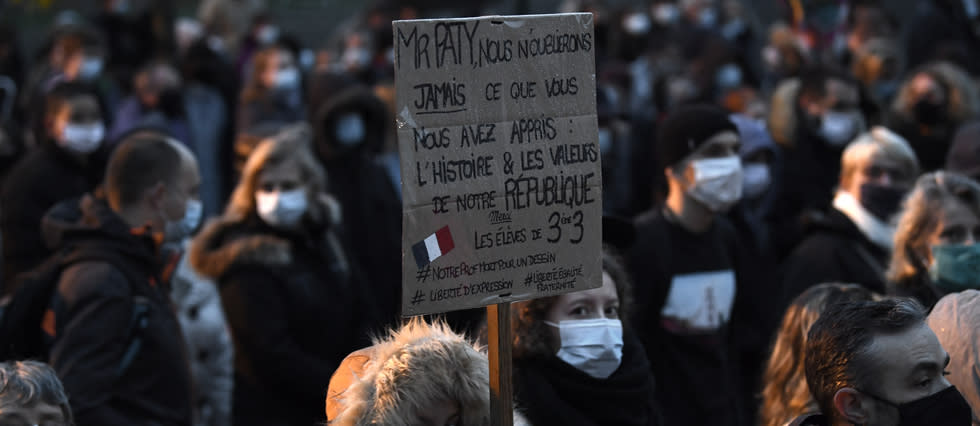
501, 365
501, 171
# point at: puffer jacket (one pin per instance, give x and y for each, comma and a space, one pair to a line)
295, 310
209, 346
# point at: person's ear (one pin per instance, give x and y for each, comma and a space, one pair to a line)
156, 196
850, 406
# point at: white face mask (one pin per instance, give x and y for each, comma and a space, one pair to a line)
281, 208
350, 129
287, 78
666, 14
636, 24
707, 18
728, 76
717, 182
357, 57
90, 69
837, 128
177, 230
605, 140
594, 346
755, 180
82, 138
267, 34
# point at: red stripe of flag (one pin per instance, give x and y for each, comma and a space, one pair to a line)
445, 240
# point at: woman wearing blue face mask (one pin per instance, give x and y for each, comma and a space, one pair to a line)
937, 242
290, 293
577, 363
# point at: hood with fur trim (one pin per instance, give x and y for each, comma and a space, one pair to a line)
230, 241
402, 375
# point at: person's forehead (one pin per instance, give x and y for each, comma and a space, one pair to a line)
898, 354
723, 139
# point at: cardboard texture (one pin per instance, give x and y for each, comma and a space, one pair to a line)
501, 173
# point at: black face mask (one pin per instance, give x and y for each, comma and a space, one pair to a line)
944, 408
881, 201
928, 113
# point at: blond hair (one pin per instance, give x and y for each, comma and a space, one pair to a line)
878, 140
921, 216
292, 145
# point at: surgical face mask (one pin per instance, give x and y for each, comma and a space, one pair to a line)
944, 408
955, 267
90, 69
707, 18
881, 201
728, 76
837, 128
605, 140
593, 346
717, 182
267, 34
177, 230
756, 179
350, 130
636, 24
666, 14
82, 138
287, 78
282, 209
357, 57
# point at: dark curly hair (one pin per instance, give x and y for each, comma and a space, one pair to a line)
532, 338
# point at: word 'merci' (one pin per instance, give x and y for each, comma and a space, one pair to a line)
456, 44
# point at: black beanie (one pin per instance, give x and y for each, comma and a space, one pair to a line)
686, 129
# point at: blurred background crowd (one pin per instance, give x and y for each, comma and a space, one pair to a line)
286, 109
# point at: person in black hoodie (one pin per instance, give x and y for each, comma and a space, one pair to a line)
562, 378
114, 338
687, 273
68, 164
290, 292
853, 241
349, 134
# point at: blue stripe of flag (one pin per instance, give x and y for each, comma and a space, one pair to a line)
421, 254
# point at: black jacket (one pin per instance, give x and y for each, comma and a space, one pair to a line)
294, 311
810, 172
93, 328
549, 391
41, 179
834, 251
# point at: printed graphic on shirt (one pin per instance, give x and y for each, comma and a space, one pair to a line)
699, 303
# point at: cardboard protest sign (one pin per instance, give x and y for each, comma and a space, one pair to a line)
501, 174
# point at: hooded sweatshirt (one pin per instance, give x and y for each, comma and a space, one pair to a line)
90, 331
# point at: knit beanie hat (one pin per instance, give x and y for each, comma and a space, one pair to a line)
686, 129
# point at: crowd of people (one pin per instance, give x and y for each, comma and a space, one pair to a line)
201, 225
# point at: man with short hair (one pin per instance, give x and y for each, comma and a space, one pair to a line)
879, 364
31, 394
115, 340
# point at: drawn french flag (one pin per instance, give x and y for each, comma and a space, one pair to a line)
433, 246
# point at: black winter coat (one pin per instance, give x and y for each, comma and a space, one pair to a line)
40, 180
834, 251
93, 318
294, 311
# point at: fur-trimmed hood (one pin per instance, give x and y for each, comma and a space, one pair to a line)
401, 375
229, 241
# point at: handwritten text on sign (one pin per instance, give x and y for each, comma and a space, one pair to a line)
501, 179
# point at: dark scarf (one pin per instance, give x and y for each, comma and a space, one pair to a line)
550, 392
